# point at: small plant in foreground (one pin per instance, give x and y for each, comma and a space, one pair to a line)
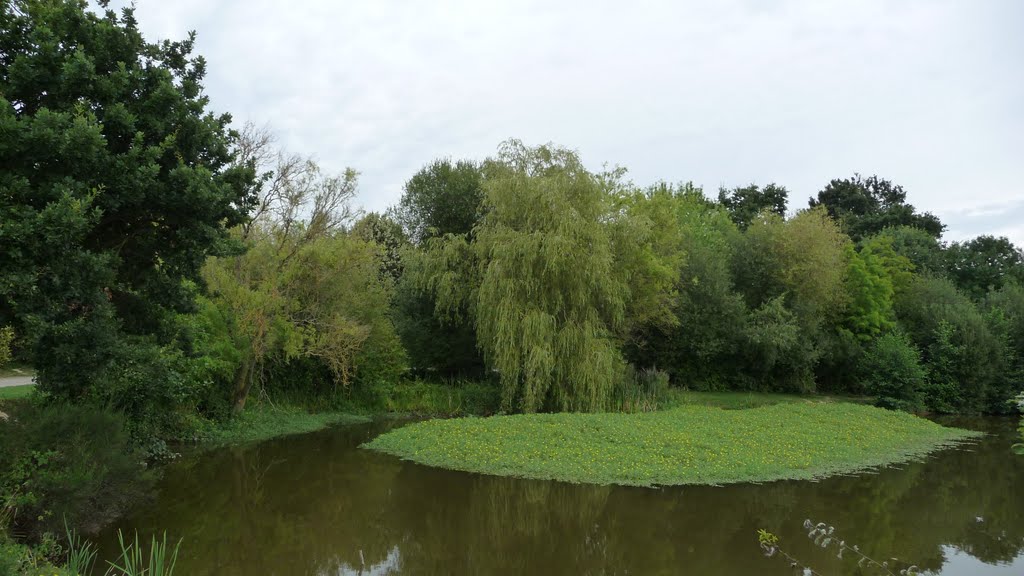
825, 536
159, 562
81, 553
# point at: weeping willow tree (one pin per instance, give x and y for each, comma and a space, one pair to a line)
541, 278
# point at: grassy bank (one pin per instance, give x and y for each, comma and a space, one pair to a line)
295, 416
16, 392
264, 422
689, 444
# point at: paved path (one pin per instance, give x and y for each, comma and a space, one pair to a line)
15, 381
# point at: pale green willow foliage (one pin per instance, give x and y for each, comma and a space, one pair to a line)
551, 295
541, 278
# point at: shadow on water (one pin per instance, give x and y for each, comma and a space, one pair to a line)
316, 504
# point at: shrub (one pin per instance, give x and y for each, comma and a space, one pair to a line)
17, 559
891, 370
146, 383
12, 556
6, 339
73, 463
966, 351
639, 390
449, 398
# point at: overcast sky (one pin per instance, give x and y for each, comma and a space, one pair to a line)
926, 93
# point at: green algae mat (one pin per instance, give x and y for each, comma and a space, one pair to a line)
685, 445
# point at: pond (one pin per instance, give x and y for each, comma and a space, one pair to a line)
316, 504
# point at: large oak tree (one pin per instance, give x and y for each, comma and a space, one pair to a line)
117, 183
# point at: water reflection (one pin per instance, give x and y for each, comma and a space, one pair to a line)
391, 564
316, 504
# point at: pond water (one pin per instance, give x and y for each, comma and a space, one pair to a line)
318, 505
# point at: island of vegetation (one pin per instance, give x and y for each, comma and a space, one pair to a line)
691, 444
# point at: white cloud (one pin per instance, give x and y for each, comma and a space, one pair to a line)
924, 92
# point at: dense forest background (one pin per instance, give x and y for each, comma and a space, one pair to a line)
161, 264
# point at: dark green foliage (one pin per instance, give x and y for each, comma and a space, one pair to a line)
381, 357
146, 384
639, 390
1007, 304
946, 356
209, 358
745, 204
966, 352
984, 263
921, 248
774, 355
67, 462
438, 399
116, 184
865, 206
891, 370
698, 350
436, 346
389, 238
792, 274
442, 198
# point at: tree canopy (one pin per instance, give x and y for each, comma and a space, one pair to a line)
118, 183
865, 206
746, 203
442, 198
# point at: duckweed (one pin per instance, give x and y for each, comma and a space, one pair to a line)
689, 444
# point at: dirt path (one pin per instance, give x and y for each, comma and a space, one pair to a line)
15, 381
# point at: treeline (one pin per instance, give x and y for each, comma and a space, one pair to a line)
564, 278
165, 267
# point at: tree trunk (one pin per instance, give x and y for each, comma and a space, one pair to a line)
243, 382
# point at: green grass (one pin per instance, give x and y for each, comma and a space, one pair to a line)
689, 444
16, 392
263, 422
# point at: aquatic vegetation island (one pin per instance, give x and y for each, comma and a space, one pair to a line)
685, 445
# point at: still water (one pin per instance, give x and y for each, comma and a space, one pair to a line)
318, 505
